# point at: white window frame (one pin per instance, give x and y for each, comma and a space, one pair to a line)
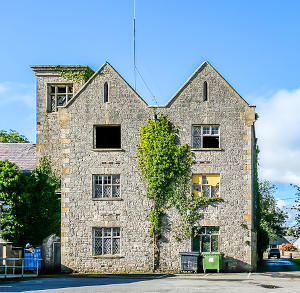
202, 126
111, 184
102, 238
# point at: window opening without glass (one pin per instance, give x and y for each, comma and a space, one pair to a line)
207, 240
107, 137
106, 241
59, 95
206, 136
106, 186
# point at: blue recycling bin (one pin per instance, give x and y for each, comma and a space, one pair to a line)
32, 259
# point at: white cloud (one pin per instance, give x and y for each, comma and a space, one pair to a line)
281, 203
287, 206
12, 92
278, 133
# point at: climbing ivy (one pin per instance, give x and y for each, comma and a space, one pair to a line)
165, 166
75, 75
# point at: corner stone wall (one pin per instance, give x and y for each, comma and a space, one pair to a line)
67, 137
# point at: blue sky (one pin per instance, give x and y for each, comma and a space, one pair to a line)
255, 45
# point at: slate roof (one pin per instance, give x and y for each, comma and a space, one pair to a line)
22, 154
284, 239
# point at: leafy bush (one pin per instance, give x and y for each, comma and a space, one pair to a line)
287, 247
32, 208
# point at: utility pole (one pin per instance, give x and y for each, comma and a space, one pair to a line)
134, 61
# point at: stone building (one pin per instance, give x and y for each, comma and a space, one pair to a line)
90, 131
21, 154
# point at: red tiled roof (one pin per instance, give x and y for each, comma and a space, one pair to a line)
22, 154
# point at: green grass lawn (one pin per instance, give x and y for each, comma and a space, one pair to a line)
297, 259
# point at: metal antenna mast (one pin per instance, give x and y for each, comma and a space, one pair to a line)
134, 65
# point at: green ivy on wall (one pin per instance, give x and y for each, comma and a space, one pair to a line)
165, 167
75, 75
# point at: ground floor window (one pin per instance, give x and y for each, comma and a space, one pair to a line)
106, 241
207, 240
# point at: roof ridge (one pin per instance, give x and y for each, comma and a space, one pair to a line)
95, 74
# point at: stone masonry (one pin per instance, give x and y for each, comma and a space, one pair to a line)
67, 138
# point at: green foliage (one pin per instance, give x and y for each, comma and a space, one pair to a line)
269, 219
12, 136
165, 166
189, 208
290, 232
296, 206
273, 218
75, 75
32, 209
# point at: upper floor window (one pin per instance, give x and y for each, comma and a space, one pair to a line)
205, 91
207, 240
59, 95
206, 185
106, 241
106, 92
106, 186
107, 137
206, 136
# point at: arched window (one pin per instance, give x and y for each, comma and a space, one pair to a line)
205, 91
105, 92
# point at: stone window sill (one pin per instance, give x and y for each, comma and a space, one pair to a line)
107, 199
108, 256
207, 149
109, 150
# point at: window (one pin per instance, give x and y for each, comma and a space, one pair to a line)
107, 137
207, 240
206, 185
205, 91
106, 186
206, 136
105, 92
106, 241
59, 95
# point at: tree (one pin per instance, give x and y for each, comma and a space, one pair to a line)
297, 205
290, 232
12, 136
165, 167
32, 207
269, 218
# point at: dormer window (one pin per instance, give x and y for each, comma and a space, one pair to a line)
106, 92
59, 95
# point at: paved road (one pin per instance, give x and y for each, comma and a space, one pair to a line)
280, 265
282, 275
212, 283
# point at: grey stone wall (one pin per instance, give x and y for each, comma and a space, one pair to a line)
67, 137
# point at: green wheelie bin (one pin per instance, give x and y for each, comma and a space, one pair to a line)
212, 261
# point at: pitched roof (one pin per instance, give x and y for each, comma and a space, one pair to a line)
46, 68
97, 73
21, 154
284, 239
200, 68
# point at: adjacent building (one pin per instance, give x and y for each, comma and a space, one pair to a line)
21, 154
90, 130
